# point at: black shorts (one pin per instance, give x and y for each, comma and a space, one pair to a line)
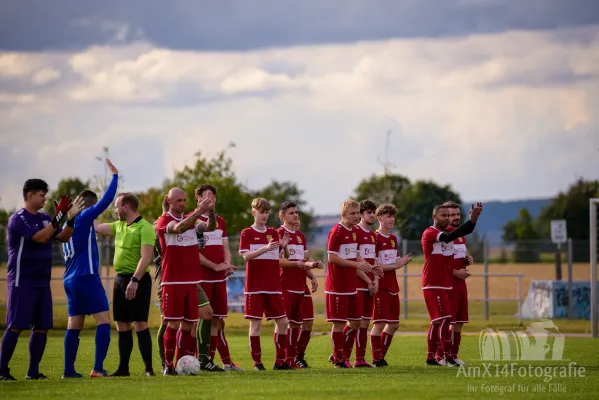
137, 309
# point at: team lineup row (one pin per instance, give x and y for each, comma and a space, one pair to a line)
193, 261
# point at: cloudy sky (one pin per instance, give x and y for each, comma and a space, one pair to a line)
498, 98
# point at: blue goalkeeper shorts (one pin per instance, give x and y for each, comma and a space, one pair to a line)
85, 295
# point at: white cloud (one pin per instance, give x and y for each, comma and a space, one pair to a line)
498, 116
45, 75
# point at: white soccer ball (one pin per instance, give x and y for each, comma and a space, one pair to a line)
188, 365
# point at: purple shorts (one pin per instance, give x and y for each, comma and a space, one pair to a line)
29, 308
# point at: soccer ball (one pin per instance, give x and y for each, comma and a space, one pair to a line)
188, 365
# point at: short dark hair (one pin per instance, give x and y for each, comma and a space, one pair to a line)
386, 209
34, 186
450, 204
367, 205
438, 208
130, 199
286, 205
203, 187
89, 197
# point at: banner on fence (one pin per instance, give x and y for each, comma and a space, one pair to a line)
549, 299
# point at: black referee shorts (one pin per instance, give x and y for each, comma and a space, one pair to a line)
137, 309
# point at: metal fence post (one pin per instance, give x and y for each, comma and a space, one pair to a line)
570, 278
519, 297
404, 252
486, 283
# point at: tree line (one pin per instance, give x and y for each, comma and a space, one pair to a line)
571, 205
414, 202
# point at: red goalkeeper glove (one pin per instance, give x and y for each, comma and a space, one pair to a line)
61, 208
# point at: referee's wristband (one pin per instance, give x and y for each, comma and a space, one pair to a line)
71, 223
134, 279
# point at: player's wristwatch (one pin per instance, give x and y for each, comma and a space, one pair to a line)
134, 279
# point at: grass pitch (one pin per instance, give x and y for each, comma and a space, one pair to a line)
406, 378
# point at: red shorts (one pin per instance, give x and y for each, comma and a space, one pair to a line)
261, 305
367, 303
458, 298
386, 307
343, 307
437, 303
180, 302
294, 306
217, 295
308, 308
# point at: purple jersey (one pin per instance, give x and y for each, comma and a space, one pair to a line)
29, 263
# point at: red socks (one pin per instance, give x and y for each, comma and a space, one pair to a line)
348, 341
302, 342
255, 349
361, 343
375, 345
170, 345
280, 347
337, 338
223, 348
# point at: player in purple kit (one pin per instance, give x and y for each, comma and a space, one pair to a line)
30, 234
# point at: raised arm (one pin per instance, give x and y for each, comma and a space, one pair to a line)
202, 227
93, 212
189, 222
466, 229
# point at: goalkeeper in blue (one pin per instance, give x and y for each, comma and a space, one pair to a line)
82, 283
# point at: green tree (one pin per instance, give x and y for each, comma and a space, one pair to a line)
415, 207
232, 200
279, 192
66, 187
524, 234
573, 206
4, 216
382, 189
150, 202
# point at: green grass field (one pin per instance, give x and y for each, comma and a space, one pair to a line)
406, 378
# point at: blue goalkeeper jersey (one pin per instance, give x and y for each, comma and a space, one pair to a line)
81, 251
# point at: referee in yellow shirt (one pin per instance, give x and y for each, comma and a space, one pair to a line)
134, 239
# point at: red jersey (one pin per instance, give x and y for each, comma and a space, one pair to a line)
180, 253
459, 258
387, 254
366, 250
438, 257
342, 242
214, 250
294, 279
261, 273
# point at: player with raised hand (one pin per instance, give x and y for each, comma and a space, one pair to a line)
385, 317
30, 235
293, 276
83, 286
216, 265
368, 284
260, 247
458, 295
180, 275
342, 300
437, 277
